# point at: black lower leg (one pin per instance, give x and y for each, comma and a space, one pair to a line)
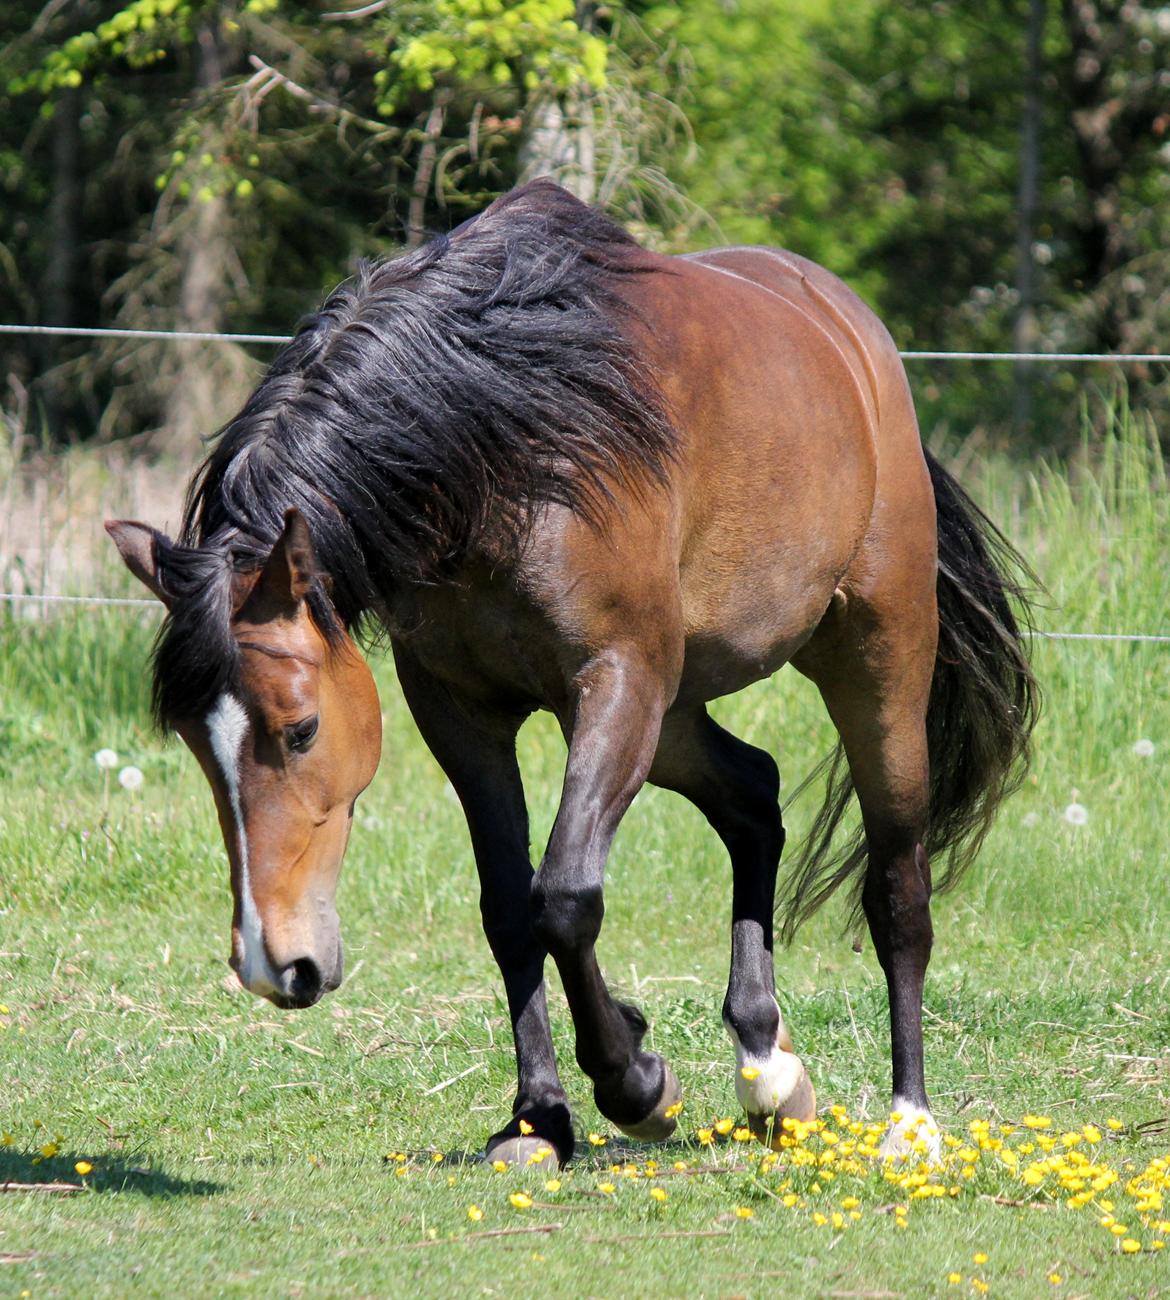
896, 900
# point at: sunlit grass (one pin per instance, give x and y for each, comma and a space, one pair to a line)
234, 1149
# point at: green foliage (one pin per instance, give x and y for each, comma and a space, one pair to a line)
534, 44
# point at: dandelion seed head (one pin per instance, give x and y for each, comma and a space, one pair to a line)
1144, 748
1076, 814
106, 759
131, 778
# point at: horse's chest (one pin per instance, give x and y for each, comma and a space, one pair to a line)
488, 646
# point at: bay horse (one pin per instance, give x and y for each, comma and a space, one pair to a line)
559, 471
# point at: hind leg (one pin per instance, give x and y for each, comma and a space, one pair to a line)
873, 664
736, 787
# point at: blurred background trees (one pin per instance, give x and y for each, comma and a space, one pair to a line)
219, 164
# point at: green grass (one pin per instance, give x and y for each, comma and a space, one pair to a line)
239, 1151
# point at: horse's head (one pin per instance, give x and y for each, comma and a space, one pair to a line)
271, 695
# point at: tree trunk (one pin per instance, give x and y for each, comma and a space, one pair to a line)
1025, 332
558, 142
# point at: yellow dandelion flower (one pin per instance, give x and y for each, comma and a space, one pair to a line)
837, 1219
474, 1213
855, 1215
526, 1128
1118, 1229
83, 1167
742, 1212
552, 1185
789, 1200
1115, 1124
596, 1140
607, 1188
500, 1166
49, 1150
1055, 1279
954, 1278
1037, 1121
749, 1072
1130, 1246
705, 1136
437, 1157
402, 1171
539, 1156
658, 1194
6, 1139
520, 1200
741, 1135
850, 1203
680, 1166
673, 1111
724, 1126
980, 1257
978, 1284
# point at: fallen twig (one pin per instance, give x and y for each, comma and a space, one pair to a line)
483, 1236
41, 1187
1016, 1205
655, 1236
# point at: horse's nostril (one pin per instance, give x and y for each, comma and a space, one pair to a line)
303, 984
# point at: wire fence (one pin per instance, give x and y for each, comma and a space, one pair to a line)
20, 597
275, 340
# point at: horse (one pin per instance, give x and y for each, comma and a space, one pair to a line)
557, 470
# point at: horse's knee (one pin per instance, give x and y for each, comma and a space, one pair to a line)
565, 919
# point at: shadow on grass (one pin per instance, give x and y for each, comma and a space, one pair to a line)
24, 1173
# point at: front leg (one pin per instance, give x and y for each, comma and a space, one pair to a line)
620, 701
476, 748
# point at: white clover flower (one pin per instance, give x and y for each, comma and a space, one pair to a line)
106, 759
1143, 748
131, 778
1076, 814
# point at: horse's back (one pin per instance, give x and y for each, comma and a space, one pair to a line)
778, 379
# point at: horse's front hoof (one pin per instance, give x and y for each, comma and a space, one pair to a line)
774, 1092
663, 1119
523, 1151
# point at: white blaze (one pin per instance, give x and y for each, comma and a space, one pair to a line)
227, 725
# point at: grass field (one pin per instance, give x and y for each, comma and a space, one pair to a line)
236, 1150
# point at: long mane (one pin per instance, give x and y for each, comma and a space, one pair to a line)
444, 392
433, 397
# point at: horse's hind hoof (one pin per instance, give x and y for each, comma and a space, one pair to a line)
788, 1094
663, 1119
523, 1152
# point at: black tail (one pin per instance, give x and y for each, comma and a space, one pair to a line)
983, 705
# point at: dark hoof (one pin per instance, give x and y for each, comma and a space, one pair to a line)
523, 1151
663, 1119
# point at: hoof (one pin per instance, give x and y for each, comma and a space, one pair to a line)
523, 1152
913, 1136
663, 1119
780, 1090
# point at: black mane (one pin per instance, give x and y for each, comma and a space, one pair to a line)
435, 395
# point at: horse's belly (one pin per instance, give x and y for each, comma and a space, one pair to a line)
752, 636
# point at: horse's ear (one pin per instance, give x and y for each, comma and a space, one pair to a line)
289, 571
138, 546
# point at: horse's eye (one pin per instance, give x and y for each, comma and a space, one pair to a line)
300, 735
